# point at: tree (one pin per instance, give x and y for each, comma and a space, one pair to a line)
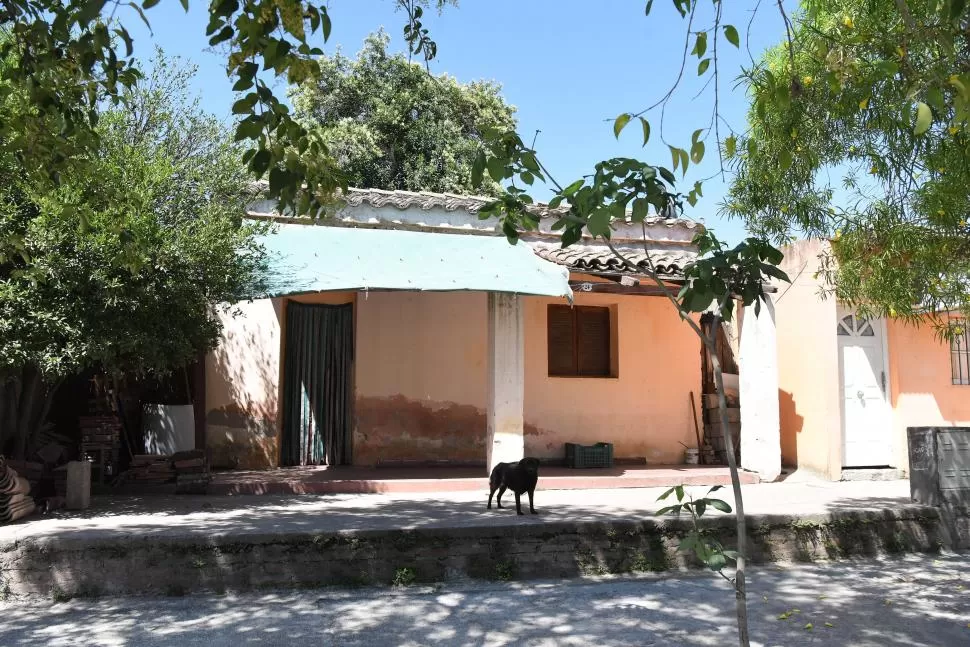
859, 134
389, 124
120, 268
75, 55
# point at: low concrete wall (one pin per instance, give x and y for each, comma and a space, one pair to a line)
66, 567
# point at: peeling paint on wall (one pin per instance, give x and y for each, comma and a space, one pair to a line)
397, 428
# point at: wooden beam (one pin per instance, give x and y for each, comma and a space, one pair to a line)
588, 287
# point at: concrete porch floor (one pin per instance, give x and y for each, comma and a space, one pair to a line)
404, 480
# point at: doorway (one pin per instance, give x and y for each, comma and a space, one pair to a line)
317, 384
866, 420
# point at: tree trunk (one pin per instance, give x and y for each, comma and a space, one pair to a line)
25, 401
739, 584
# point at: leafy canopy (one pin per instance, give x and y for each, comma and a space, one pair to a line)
75, 55
859, 134
389, 124
121, 266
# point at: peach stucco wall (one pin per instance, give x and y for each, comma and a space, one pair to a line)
644, 411
243, 377
420, 364
242, 382
420, 374
808, 367
923, 393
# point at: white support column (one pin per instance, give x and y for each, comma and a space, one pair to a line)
758, 366
506, 379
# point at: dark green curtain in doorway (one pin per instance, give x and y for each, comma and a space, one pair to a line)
317, 384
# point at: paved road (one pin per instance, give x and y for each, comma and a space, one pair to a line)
914, 601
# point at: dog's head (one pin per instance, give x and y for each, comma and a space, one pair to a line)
530, 465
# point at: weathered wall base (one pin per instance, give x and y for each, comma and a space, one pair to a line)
69, 567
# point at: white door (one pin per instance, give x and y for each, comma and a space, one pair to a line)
866, 420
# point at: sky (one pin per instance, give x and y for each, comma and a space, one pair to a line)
569, 67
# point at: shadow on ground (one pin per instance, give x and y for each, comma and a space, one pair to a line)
912, 602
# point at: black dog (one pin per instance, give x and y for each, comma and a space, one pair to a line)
519, 477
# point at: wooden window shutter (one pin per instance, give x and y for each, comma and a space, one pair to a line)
561, 331
593, 341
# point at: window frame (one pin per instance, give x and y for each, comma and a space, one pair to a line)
959, 353
611, 333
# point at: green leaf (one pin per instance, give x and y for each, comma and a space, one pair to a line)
698, 299
700, 44
730, 146
785, 159
141, 14
478, 169
148, 4
496, 169
573, 188
702, 66
675, 156
646, 130
718, 504
260, 162
327, 24
185, 5
697, 152
640, 210
571, 235
731, 33
621, 123
648, 7
245, 105
889, 68
666, 494
599, 222
669, 177
123, 33
774, 272
554, 204
527, 177
924, 118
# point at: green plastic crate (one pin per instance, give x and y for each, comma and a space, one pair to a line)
589, 456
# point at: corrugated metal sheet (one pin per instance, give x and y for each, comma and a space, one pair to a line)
310, 258
599, 258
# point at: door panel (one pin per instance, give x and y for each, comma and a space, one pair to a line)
867, 428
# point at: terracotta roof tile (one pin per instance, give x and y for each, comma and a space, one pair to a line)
596, 258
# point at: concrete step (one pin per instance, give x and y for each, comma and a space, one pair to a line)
241, 557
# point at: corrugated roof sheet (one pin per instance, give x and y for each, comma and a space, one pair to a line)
599, 258
310, 258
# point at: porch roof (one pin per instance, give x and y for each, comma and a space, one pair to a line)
311, 258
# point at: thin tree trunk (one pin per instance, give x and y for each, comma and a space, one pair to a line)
29, 402
739, 584
710, 342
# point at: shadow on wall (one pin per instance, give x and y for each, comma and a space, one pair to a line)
791, 426
242, 432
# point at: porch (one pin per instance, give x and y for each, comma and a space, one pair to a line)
414, 480
454, 346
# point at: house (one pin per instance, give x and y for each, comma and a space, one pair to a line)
850, 386
405, 329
